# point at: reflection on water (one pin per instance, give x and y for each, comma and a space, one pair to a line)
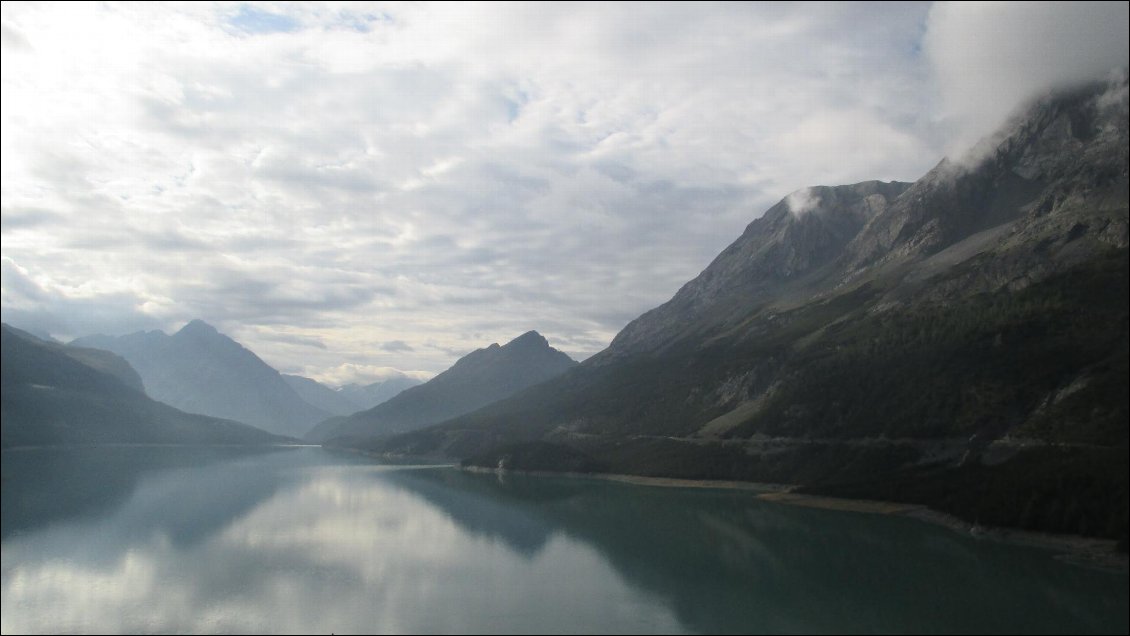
205, 540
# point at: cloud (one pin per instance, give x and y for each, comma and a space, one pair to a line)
66, 310
300, 341
441, 176
252, 20
351, 373
397, 345
990, 57
847, 146
802, 202
13, 39
27, 218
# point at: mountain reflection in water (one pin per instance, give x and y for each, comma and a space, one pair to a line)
168, 539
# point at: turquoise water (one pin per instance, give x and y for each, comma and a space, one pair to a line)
303, 540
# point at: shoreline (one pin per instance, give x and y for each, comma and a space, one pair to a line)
1074, 549
38, 447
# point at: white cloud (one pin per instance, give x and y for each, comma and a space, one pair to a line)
848, 146
989, 57
802, 202
363, 374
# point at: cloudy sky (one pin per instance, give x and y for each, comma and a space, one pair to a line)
350, 188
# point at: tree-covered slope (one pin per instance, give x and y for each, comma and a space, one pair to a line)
475, 380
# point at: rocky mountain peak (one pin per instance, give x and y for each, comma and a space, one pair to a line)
1048, 137
1066, 149
785, 248
474, 381
198, 327
529, 343
530, 340
200, 370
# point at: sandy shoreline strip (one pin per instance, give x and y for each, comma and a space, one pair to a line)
1079, 550
849, 505
1086, 551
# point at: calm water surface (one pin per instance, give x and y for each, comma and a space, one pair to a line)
302, 540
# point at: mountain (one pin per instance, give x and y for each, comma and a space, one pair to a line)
52, 397
366, 396
99, 359
960, 342
475, 380
200, 370
320, 396
784, 253
351, 397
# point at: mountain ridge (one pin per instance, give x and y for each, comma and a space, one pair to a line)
200, 370
473, 381
99, 359
775, 250
349, 398
53, 398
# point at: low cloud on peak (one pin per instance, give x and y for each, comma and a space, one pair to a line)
989, 58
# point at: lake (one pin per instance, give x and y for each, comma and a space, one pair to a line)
305, 540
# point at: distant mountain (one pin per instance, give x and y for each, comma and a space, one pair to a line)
99, 359
350, 398
200, 370
51, 396
366, 396
39, 333
319, 395
960, 341
475, 380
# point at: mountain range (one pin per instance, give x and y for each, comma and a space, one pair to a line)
960, 341
200, 370
475, 380
55, 394
349, 398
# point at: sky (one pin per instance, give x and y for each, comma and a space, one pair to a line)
352, 190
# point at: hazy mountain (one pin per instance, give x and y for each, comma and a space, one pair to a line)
351, 397
200, 370
319, 395
99, 359
960, 341
366, 396
52, 397
475, 380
